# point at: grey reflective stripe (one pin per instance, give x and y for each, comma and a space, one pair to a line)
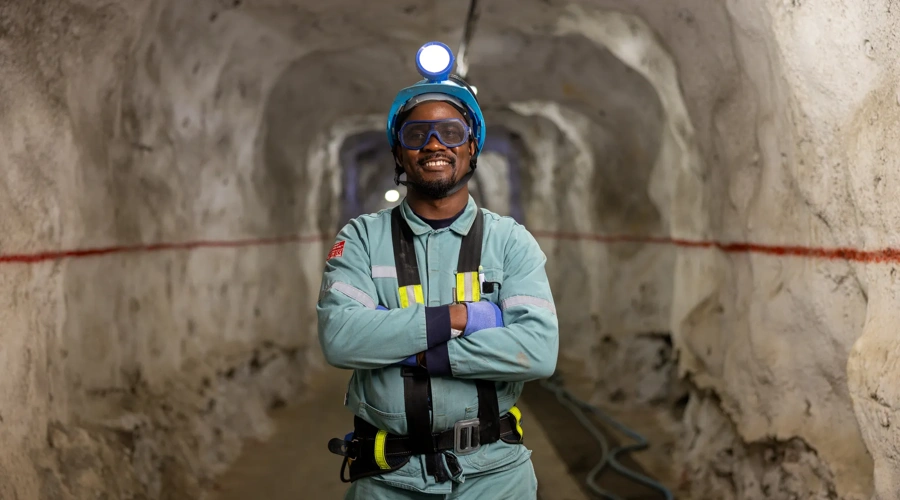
467, 279
384, 272
525, 300
410, 294
354, 293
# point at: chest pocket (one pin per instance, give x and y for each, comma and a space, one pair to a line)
491, 283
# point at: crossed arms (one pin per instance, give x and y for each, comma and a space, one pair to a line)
355, 335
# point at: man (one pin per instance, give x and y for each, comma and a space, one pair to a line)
442, 310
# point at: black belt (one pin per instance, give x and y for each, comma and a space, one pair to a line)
462, 439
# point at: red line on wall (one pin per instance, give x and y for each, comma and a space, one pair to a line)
30, 258
886, 255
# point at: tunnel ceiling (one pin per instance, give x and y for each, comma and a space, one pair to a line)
508, 66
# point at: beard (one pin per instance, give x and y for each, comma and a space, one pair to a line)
434, 189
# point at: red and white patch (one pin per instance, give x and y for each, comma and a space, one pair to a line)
336, 251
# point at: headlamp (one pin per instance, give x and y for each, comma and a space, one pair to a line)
435, 61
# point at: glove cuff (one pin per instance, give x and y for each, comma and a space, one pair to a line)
481, 315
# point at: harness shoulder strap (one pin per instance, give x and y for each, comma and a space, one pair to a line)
408, 281
416, 382
468, 284
404, 250
468, 289
470, 248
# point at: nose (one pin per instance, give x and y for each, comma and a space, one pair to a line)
433, 144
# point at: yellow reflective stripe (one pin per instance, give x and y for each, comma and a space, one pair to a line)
468, 287
517, 413
380, 439
413, 292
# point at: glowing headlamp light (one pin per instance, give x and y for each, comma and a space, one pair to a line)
435, 61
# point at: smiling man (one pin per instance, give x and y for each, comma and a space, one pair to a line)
432, 168
443, 311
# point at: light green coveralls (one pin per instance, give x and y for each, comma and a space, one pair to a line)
353, 335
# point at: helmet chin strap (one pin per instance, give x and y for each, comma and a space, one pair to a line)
459, 185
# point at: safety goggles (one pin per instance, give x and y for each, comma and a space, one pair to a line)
451, 132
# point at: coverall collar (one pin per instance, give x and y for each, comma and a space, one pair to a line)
460, 226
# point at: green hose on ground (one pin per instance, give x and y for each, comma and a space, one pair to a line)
578, 408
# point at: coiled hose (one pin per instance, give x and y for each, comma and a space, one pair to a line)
579, 408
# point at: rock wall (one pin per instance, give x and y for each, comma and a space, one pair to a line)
775, 132
786, 140
138, 373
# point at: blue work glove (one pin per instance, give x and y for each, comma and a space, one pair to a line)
482, 315
410, 361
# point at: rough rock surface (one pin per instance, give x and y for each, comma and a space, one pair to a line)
144, 121
129, 123
748, 153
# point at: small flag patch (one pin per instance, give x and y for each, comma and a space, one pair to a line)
336, 251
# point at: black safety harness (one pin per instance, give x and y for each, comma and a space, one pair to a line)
369, 451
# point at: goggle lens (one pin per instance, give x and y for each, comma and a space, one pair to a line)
451, 133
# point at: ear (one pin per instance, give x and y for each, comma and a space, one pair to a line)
472, 148
396, 152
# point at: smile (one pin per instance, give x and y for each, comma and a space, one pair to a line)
437, 164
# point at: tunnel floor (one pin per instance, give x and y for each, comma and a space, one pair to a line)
579, 452
294, 463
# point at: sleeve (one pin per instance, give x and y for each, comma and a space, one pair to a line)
526, 347
352, 333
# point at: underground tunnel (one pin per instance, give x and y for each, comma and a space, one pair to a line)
709, 182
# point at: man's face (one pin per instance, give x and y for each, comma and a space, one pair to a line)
435, 169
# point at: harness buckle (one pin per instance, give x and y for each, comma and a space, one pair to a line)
466, 436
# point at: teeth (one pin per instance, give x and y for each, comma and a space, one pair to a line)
438, 163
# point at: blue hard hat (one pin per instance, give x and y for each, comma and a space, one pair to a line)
435, 62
